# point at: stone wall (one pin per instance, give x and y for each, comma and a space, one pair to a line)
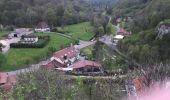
163, 30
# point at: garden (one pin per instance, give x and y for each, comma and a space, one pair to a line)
18, 58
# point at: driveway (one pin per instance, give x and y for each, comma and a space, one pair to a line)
82, 44
7, 43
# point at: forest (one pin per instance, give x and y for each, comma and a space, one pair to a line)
56, 12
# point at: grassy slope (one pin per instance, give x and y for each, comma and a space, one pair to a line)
2, 34
88, 51
84, 31
19, 58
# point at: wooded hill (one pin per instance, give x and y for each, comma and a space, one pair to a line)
142, 45
55, 12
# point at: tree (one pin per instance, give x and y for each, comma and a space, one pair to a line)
109, 28
51, 16
52, 85
101, 30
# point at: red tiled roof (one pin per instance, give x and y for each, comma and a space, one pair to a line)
53, 64
139, 85
3, 78
85, 63
12, 79
70, 52
123, 32
6, 88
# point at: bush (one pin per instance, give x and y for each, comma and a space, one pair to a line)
42, 42
58, 29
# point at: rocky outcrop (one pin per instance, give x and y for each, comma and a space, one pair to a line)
163, 30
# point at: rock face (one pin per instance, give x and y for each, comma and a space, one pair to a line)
163, 30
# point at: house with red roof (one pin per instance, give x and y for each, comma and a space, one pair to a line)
62, 58
53, 64
123, 32
86, 66
7, 82
3, 78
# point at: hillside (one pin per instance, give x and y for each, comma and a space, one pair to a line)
55, 12
143, 45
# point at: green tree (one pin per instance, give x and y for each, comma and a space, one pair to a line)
101, 30
2, 59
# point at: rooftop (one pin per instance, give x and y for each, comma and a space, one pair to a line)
69, 52
86, 63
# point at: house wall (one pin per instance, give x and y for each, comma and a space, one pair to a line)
42, 29
31, 39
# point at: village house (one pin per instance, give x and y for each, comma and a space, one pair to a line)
123, 32
119, 20
83, 66
18, 32
42, 27
29, 39
87, 66
7, 82
53, 65
63, 58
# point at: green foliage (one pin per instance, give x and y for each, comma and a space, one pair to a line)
88, 51
2, 60
30, 12
83, 31
101, 30
52, 85
145, 48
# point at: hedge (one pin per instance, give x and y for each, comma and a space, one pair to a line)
42, 42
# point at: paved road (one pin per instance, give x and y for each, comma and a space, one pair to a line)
83, 44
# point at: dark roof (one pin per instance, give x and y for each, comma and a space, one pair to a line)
29, 36
42, 25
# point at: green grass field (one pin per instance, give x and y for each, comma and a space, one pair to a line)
83, 31
20, 58
88, 51
2, 34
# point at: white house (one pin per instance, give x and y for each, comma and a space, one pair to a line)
66, 56
117, 38
29, 39
42, 27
